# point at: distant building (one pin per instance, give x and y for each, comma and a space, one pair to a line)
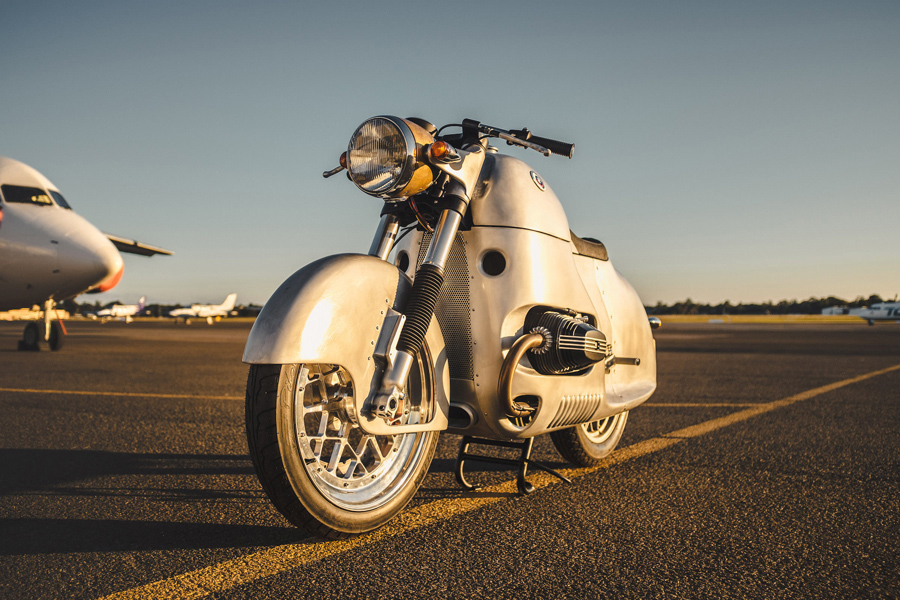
836, 310
29, 314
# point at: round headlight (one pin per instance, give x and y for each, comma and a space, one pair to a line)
382, 156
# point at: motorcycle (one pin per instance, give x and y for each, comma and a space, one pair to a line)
476, 311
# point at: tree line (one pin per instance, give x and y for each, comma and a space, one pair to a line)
812, 306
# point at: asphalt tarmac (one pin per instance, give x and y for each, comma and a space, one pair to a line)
763, 467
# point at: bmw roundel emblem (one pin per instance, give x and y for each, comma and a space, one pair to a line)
538, 181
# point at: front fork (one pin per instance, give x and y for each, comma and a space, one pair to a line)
385, 237
419, 308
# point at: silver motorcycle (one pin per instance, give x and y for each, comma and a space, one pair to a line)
476, 311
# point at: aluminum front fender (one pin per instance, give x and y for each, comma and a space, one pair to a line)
333, 311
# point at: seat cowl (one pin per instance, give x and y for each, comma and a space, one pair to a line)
589, 247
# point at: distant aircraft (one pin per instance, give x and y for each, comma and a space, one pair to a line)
48, 253
209, 312
882, 311
124, 312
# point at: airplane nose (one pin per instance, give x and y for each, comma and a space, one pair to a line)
110, 265
111, 281
93, 260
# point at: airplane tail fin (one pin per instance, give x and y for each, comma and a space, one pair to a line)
229, 302
141, 303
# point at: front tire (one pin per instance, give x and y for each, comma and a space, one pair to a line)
319, 469
587, 444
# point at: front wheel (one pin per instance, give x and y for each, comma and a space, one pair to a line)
586, 445
320, 470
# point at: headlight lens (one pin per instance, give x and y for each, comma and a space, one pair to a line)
381, 156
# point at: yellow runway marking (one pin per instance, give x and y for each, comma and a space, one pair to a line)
127, 394
245, 569
700, 404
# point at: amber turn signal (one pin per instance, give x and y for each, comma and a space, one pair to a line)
343, 159
440, 151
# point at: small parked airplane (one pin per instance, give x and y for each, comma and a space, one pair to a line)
48, 253
122, 311
882, 311
209, 312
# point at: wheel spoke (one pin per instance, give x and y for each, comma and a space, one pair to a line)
323, 424
335, 456
361, 447
351, 469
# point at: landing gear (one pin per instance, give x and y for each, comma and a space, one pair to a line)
44, 335
33, 338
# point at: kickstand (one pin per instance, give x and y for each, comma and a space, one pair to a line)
522, 463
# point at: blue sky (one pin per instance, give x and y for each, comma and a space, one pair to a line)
724, 151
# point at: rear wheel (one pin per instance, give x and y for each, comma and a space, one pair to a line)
587, 444
322, 472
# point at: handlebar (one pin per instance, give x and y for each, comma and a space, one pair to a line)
554, 146
522, 137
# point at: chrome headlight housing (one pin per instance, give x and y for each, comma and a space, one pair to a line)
384, 157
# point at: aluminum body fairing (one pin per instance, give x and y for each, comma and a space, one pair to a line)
482, 315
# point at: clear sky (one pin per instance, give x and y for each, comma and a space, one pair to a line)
742, 151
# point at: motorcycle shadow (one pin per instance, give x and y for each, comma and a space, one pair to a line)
76, 501
32, 536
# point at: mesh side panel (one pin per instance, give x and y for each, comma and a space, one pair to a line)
453, 310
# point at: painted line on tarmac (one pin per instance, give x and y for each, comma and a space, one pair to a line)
125, 394
251, 567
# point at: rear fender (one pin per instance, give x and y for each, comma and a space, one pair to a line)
333, 311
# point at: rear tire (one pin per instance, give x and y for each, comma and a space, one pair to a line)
587, 444
319, 469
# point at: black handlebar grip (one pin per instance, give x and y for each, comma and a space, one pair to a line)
561, 148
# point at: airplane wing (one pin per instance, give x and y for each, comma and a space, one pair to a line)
135, 247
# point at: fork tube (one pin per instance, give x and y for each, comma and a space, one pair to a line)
385, 237
442, 241
428, 282
419, 310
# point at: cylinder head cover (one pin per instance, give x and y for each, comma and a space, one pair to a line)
571, 344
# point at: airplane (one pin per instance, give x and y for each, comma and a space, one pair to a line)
882, 311
124, 312
208, 311
49, 253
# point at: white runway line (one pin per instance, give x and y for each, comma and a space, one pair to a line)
251, 567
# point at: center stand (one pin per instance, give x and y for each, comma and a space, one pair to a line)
524, 446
